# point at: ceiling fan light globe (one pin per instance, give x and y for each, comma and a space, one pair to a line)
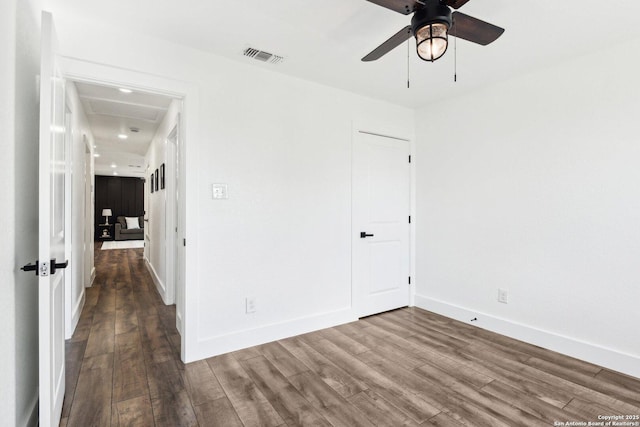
432, 41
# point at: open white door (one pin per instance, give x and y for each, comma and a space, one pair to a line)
380, 226
170, 215
52, 168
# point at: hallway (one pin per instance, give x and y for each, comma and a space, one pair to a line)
123, 361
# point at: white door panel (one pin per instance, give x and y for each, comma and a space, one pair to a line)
381, 205
51, 231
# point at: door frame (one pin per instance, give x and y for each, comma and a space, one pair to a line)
89, 225
69, 322
169, 213
389, 130
172, 218
91, 72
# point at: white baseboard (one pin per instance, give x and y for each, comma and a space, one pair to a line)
602, 356
214, 346
92, 278
29, 418
179, 322
162, 289
77, 311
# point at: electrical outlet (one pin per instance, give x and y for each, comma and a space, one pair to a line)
250, 303
220, 191
503, 296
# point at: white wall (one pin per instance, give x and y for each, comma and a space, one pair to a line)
19, 43
532, 186
283, 146
81, 242
7, 175
156, 232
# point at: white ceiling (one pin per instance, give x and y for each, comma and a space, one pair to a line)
110, 113
323, 41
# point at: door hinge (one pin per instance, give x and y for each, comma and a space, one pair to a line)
409, 219
409, 279
409, 158
184, 242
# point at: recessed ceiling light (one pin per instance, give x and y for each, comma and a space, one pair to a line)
96, 155
113, 165
123, 136
124, 90
115, 173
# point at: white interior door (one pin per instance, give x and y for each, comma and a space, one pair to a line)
173, 242
381, 207
52, 175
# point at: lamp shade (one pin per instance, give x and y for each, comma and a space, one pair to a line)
106, 212
432, 41
430, 26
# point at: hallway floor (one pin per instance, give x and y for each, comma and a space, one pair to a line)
123, 361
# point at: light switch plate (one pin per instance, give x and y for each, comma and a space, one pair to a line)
220, 191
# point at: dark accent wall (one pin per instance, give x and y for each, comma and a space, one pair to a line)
123, 195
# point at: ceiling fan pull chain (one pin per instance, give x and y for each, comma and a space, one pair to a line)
455, 56
408, 62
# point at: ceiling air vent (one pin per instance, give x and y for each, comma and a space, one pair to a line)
262, 56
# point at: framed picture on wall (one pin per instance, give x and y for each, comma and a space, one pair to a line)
162, 177
151, 183
156, 179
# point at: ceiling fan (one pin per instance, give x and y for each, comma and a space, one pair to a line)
431, 24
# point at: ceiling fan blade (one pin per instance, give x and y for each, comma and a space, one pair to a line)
386, 47
404, 7
472, 29
456, 4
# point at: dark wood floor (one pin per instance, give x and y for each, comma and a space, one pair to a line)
403, 368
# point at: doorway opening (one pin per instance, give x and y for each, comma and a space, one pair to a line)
131, 167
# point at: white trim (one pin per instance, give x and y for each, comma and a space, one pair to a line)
170, 226
77, 311
179, 322
69, 255
602, 356
383, 135
81, 70
162, 288
93, 277
222, 344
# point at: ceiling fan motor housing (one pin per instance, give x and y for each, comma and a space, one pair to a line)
432, 12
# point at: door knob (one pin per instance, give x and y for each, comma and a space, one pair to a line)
55, 265
31, 267
364, 235
36, 267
